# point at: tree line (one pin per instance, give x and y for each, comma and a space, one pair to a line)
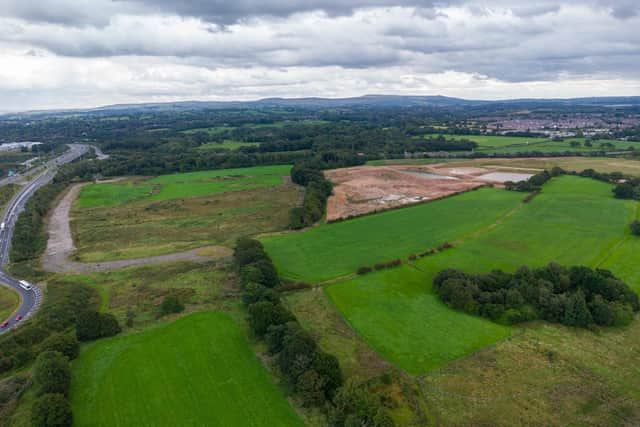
573, 296
312, 374
308, 173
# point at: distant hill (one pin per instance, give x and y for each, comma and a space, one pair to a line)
361, 101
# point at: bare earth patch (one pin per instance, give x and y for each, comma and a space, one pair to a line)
60, 246
364, 189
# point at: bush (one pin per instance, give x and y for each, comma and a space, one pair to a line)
171, 304
265, 313
255, 292
51, 373
92, 325
364, 270
51, 410
635, 228
63, 343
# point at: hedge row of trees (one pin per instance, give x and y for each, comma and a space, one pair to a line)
51, 382
314, 375
575, 296
317, 188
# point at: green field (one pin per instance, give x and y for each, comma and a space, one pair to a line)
179, 212
514, 144
9, 301
574, 221
334, 250
181, 185
227, 144
211, 131
199, 370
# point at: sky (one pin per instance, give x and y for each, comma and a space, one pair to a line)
85, 53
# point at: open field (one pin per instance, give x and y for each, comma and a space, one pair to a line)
543, 375
9, 301
210, 131
140, 290
226, 145
333, 250
198, 370
396, 313
574, 221
184, 219
515, 144
601, 164
181, 185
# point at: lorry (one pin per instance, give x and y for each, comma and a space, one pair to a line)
1, 227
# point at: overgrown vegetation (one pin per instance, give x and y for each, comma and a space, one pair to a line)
575, 296
313, 375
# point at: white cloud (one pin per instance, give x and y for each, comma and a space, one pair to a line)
85, 53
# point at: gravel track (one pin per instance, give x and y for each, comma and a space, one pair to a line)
60, 246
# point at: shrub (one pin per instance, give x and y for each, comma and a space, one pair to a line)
171, 304
364, 270
635, 227
51, 410
51, 373
265, 313
255, 292
92, 325
63, 343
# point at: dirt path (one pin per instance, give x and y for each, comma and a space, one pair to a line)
60, 246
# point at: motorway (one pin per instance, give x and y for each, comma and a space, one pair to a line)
30, 300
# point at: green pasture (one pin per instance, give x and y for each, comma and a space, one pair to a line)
199, 370
211, 131
514, 144
334, 250
227, 144
181, 185
574, 221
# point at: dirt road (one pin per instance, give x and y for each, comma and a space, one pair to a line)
60, 246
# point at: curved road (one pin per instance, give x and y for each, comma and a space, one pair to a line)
30, 300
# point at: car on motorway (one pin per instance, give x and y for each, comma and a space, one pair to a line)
18, 318
4, 324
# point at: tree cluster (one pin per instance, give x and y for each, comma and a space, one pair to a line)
91, 325
50, 328
313, 375
574, 296
51, 381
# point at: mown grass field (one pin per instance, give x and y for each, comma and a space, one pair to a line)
574, 221
199, 370
181, 185
334, 250
9, 301
187, 211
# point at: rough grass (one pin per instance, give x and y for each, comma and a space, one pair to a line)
574, 221
199, 370
9, 301
334, 250
150, 228
544, 375
140, 290
181, 185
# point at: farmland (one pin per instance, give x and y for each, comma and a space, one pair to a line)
179, 212
9, 301
181, 185
330, 251
198, 370
514, 144
227, 145
580, 217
